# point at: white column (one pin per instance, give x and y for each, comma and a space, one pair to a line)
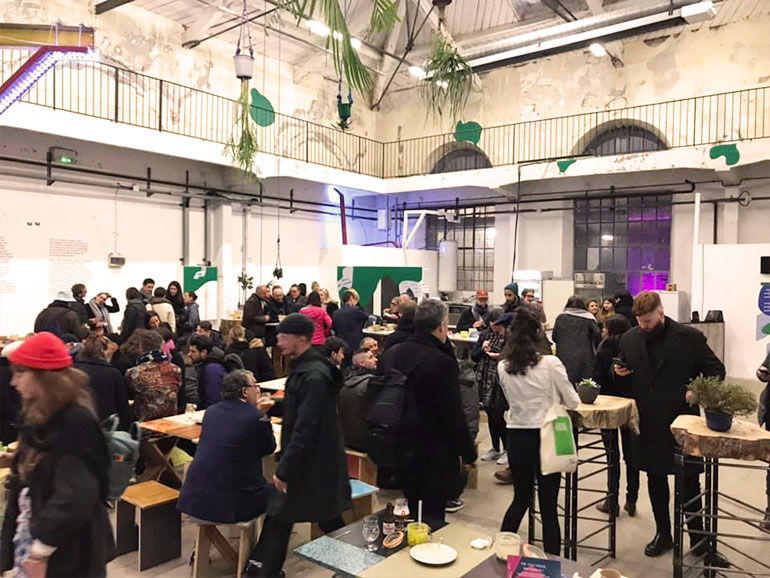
696, 286
728, 224
222, 258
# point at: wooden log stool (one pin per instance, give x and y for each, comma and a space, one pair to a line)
247, 534
147, 520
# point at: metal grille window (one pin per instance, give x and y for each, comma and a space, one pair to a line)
474, 232
627, 238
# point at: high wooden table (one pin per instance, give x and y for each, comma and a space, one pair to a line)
607, 412
744, 442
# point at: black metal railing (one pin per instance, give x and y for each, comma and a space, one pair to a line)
112, 93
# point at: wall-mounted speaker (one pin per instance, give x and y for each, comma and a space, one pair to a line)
764, 265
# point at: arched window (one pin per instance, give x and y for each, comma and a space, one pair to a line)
461, 159
623, 139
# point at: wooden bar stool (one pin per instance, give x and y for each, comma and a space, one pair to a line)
208, 533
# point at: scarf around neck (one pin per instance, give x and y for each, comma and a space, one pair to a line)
153, 355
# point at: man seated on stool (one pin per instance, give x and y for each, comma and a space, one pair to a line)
353, 400
225, 483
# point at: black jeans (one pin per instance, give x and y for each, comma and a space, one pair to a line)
497, 431
524, 461
274, 542
610, 439
432, 510
657, 485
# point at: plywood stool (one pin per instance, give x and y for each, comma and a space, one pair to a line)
147, 520
208, 534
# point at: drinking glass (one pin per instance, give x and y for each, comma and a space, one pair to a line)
401, 511
370, 531
190, 409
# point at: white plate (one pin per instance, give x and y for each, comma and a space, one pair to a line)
432, 553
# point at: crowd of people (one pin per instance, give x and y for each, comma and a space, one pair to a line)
78, 369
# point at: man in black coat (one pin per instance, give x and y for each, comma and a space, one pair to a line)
312, 476
405, 327
256, 313
348, 322
80, 306
235, 436
624, 306
763, 375
662, 357
427, 359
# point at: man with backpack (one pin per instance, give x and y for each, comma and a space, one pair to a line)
59, 319
435, 434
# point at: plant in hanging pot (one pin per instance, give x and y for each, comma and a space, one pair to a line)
245, 282
242, 147
721, 401
448, 81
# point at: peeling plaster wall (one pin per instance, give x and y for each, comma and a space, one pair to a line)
691, 63
140, 41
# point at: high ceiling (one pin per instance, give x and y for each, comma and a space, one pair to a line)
477, 26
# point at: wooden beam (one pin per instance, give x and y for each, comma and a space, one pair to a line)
108, 5
38, 34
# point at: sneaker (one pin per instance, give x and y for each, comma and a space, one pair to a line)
504, 477
454, 505
491, 455
503, 460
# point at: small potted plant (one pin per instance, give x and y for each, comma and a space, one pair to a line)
720, 401
246, 283
588, 390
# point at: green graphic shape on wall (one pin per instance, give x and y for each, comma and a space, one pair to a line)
564, 165
468, 132
729, 151
261, 110
366, 279
197, 277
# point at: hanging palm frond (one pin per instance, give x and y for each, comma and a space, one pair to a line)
346, 59
449, 80
242, 146
384, 15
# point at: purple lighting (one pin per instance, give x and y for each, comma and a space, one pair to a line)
35, 67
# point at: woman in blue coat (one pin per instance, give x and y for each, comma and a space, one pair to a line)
236, 435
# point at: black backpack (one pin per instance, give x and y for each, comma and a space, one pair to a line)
393, 427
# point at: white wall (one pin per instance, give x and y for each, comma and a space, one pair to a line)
732, 284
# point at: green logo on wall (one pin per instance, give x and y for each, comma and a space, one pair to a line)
196, 277
391, 280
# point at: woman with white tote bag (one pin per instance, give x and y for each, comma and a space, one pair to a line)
532, 384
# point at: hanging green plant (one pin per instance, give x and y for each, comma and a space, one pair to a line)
449, 79
345, 57
242, 147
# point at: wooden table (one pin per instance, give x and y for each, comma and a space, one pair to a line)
274, 384
744, 442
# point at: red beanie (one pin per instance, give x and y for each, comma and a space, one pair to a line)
42, 351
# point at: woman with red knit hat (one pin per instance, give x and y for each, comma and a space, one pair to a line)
55, 521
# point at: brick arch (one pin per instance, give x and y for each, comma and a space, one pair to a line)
439, 159
648, 138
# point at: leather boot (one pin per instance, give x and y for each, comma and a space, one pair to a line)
660, 544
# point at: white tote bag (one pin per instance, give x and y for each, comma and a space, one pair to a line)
558, 452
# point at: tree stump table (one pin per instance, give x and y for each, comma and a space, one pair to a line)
606, 413
744, 442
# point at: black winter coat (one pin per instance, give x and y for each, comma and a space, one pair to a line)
58, 318
312, 459
576, 339
432, 373
68, 489
348, 324
134, 317
604, 374
403, 332
82, 310
624, 307
255, 315
109, 389
659, 389
255, 359
234, 438
10, 404
354, 407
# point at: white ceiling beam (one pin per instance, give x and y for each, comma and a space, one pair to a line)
388, 65
514, 10
200, 28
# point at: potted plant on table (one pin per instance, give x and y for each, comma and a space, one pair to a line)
588, 390
721, 401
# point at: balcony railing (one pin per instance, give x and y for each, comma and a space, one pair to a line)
112, 93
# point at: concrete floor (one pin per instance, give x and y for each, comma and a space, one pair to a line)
484, 510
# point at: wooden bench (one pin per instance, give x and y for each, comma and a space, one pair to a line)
208, 534
363, 496
147, 520
361, 467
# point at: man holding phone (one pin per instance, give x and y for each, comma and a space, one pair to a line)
661, 356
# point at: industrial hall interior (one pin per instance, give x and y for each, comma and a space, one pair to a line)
480, 288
